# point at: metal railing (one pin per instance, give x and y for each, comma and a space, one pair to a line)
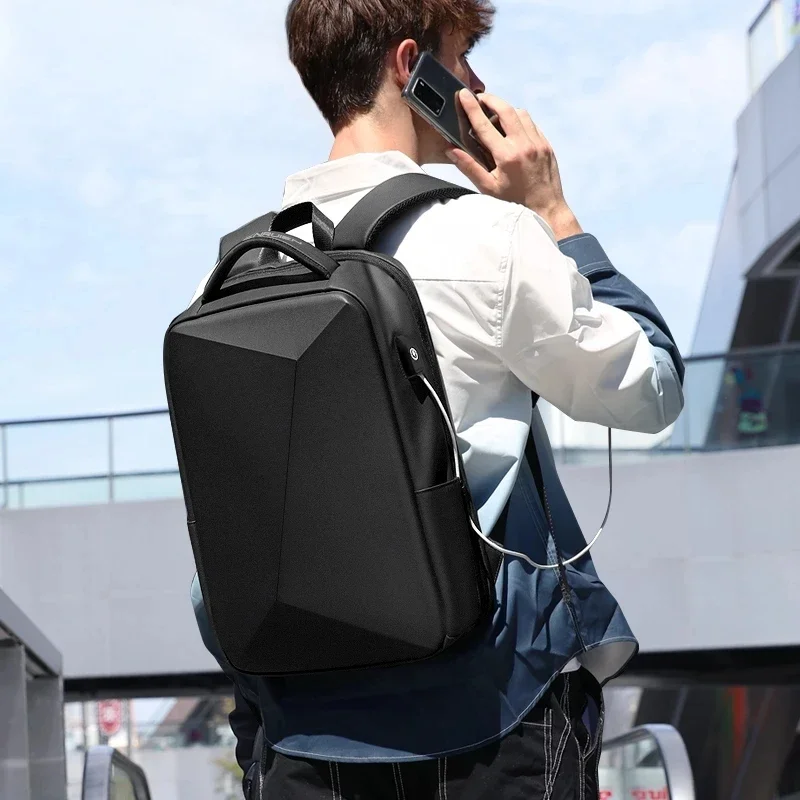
647, 763
733, 401
89, 459
108, 775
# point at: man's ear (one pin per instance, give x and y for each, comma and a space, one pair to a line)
403, 60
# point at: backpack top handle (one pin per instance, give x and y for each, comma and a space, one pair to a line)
306, 214
302, 252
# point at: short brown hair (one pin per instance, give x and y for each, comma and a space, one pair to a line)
339, 46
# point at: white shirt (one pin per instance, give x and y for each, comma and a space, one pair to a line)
508, 313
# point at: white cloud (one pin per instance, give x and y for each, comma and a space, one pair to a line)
640, 107
672, 266
152, 92
133, 134
608, 8
98, 188
85, 274
6, 39
660, 115
8, 275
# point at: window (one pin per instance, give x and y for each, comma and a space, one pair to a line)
767, 43
762, 317
791, 262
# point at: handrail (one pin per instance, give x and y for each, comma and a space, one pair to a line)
84, 418
165, 473
97, 774
101, 476
747, 413
673, 755
42, 655
748, 352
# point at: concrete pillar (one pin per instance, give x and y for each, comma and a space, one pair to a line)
14, 771
48, 762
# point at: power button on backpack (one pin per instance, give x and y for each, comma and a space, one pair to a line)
410, 356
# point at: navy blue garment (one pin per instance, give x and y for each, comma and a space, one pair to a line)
479, 690
614, 289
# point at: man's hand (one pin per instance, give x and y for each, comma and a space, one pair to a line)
526, 172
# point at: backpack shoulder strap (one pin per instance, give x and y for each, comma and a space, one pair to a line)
387, 203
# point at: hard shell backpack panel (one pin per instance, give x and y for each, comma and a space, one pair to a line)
328, 508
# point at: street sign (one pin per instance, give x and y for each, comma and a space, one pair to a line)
109, 717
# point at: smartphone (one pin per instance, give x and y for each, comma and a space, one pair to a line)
432, 91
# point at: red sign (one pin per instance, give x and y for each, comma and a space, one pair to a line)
109, 717
639, 794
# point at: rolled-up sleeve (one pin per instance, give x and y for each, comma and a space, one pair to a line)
591, 359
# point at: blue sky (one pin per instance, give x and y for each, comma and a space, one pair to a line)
134, 134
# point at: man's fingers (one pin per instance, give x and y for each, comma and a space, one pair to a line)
530, 126
534, 131
507, 114
483, 180
487, 134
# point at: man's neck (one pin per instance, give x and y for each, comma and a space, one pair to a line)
366, 135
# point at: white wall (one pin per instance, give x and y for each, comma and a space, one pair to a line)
763, 202
726, 281
768, 133
108, 584
187, 774
702, 551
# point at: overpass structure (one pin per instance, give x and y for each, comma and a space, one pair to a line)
32, 757
696, 536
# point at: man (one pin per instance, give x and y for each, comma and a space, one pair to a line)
518, 300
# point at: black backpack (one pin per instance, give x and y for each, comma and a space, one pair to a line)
328, 508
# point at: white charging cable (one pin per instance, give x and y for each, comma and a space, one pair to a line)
494, 545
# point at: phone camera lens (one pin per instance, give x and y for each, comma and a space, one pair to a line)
428, 97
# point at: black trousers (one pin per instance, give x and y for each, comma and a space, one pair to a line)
552, 755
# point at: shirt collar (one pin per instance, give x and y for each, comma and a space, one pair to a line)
345, 176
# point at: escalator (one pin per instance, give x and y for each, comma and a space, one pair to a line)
646, 763
108, 775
